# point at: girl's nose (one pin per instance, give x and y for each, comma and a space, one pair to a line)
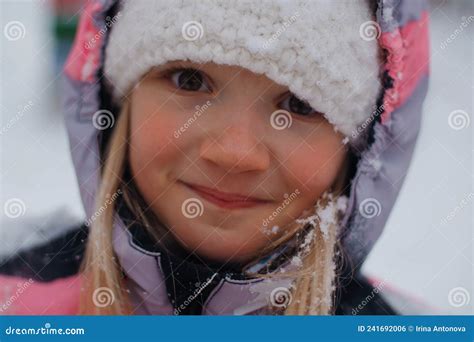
236, 149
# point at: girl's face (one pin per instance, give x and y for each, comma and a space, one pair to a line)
227, 158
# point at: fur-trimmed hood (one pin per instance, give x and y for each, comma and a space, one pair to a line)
402, 32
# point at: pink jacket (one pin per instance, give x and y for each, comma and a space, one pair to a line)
27, 297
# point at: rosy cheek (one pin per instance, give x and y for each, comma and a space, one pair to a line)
314, 170
152, 140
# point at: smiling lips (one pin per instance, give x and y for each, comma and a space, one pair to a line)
226, 200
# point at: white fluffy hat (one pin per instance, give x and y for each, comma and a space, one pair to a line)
314, 47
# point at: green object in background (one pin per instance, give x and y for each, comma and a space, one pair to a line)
65, 27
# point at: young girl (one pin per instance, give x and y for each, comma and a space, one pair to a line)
236, 157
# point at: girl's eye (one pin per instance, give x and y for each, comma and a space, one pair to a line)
293, 104
189, 79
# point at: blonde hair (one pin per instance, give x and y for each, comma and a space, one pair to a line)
313, 289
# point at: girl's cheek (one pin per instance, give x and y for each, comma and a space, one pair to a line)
153, 139
159, 115
313, 169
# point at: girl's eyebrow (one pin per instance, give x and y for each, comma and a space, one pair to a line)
159, 70
179, 64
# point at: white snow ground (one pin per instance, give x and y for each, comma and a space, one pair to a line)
426, 250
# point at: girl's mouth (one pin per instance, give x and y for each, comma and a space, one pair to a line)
224, 199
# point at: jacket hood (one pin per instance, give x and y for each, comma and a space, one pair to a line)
383, 161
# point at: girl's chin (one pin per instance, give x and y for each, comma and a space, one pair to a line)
221, 244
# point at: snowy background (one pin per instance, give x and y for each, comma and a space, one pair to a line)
426, 250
